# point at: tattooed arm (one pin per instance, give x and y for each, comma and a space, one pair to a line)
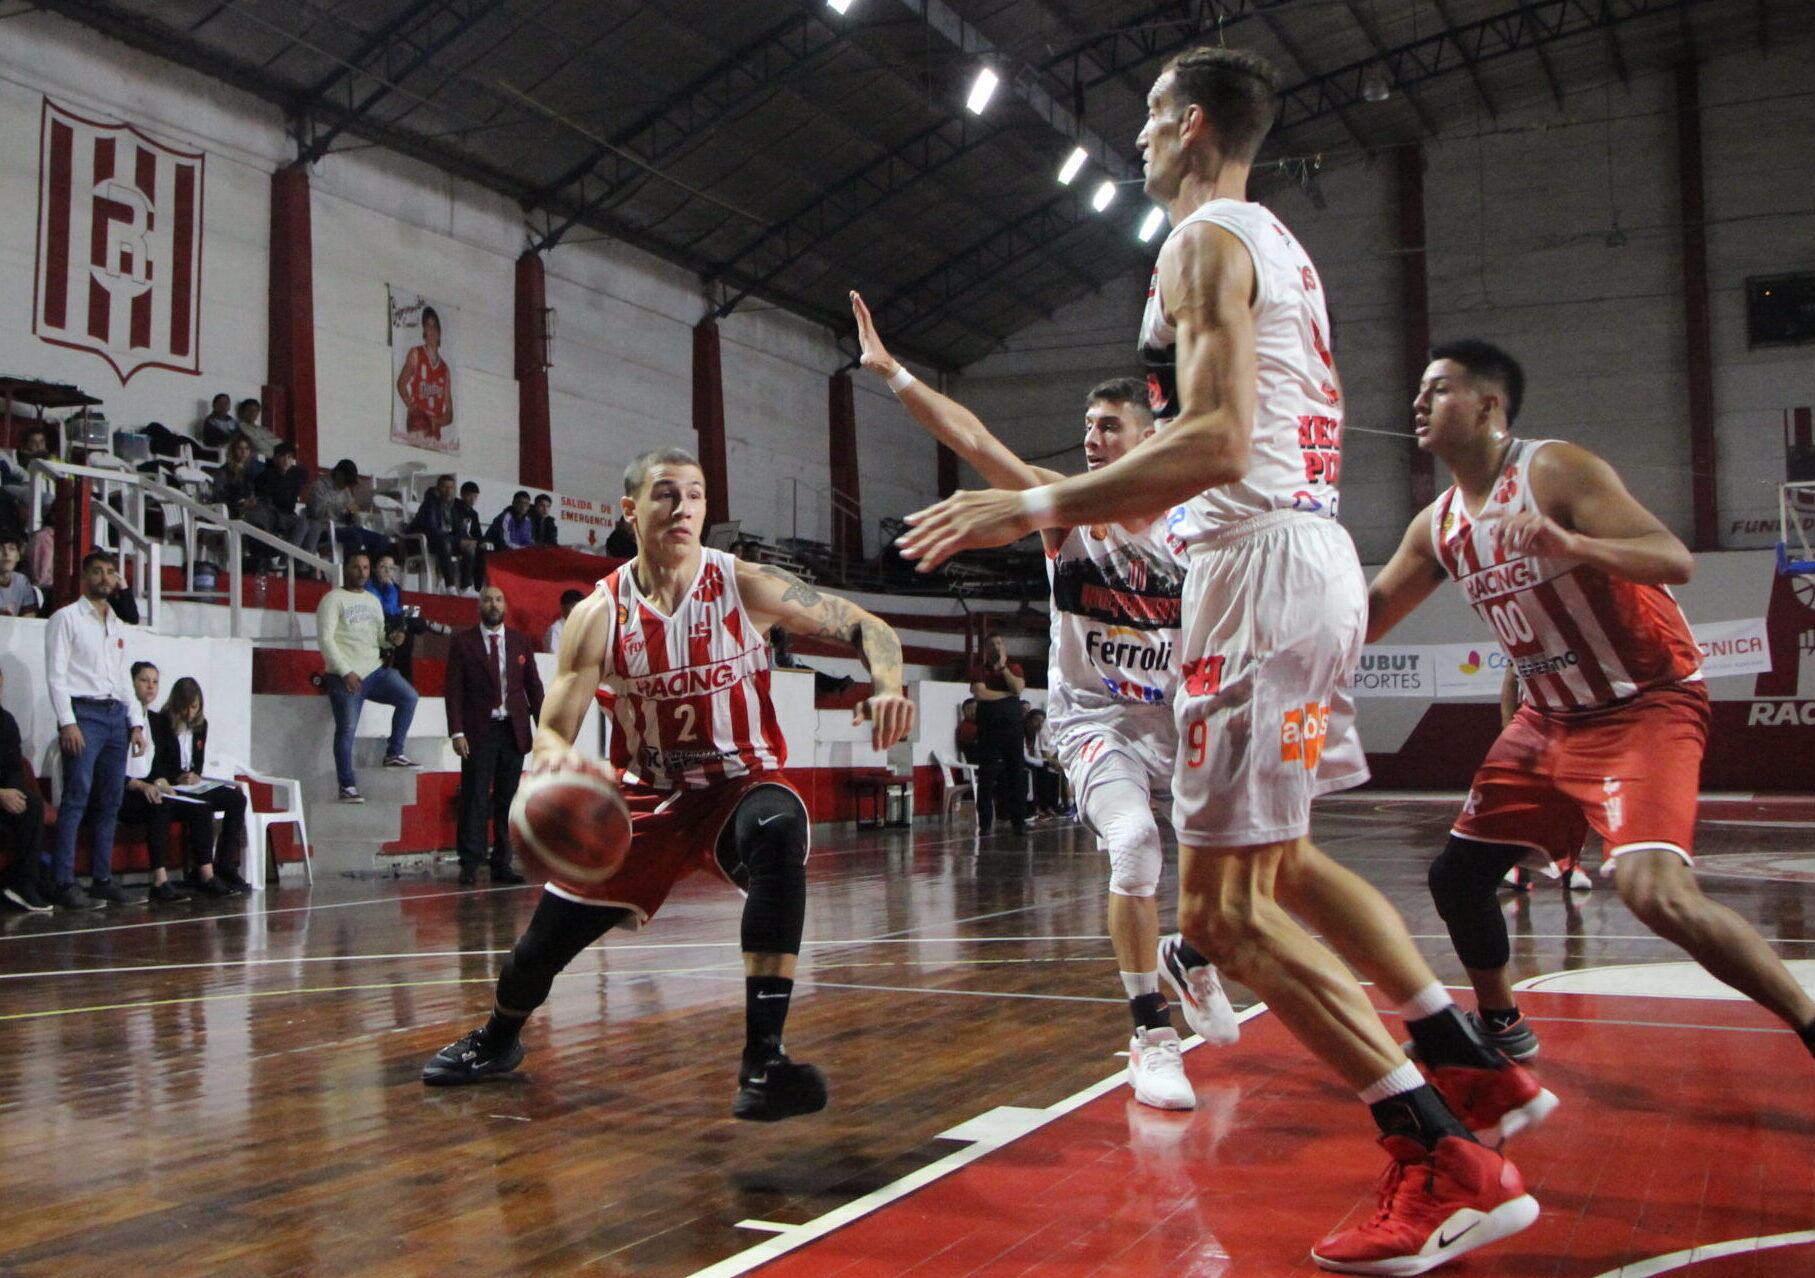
774, 597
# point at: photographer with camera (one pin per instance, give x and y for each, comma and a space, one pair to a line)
996, 683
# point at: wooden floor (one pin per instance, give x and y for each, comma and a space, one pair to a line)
233, 1088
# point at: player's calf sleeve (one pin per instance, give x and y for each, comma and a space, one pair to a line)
1464, 881
557, 932
770, 834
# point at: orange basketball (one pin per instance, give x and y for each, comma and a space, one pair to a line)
571, 824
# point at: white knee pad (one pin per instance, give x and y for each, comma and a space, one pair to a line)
1132, 841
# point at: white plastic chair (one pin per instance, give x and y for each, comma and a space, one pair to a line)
258, 823
959, 781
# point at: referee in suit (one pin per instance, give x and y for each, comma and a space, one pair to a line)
493, 691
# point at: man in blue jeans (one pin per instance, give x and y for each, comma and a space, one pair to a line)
349, 625
98, 721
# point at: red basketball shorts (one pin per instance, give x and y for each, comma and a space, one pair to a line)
1630, 773
673, 834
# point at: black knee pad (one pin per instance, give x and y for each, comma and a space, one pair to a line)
764, 850
557, 932
1464, 881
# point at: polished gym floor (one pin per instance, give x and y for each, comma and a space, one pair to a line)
232, 1088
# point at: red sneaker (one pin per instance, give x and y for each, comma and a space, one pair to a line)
1494, 1103
1434, 1206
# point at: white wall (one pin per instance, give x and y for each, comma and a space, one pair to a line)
621, 380
1518, 213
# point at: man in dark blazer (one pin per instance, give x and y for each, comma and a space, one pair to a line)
22, 813
493, 691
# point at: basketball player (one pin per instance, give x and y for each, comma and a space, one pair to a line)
1573, 575
673, 645
1114, 672
1274, 609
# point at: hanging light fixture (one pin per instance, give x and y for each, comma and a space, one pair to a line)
1151, 224
1073, 163
983, 88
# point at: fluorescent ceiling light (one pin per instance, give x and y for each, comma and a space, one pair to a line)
1073, 163
1104, 197
838, 6
1151, 224
983, 88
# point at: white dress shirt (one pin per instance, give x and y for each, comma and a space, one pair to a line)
551, 638
85, 656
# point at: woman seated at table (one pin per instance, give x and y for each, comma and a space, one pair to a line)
179, 737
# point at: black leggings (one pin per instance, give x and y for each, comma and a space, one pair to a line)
763, 850
197, 820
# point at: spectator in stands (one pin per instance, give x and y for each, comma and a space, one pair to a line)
546, 528
349, 626
512, 529
996, 683
1042, 766
179, 737
34, 445
22, 816
964, 736
279, 486
402, 622
335, 504
551, 638
622, 543
99, 721
233, 487
493, 691
435, 519
18, 597
220, 423
264, 443
467, 529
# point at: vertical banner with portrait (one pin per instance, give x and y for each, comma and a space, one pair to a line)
423, 386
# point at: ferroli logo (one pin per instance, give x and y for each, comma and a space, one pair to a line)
1781, 714
1301, 735
1501, 579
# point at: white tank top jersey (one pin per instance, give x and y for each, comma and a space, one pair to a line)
1115, 618
1295, 459
1578, 638
687, 695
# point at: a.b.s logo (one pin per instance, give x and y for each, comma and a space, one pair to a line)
1302, 733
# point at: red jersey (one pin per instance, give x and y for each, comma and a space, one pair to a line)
688, 694
428, 388
1578, 638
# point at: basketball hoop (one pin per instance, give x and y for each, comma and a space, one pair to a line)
1795, 515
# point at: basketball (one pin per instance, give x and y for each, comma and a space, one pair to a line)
571, 824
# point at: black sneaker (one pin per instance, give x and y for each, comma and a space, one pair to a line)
211, 886
507, 877
167, 893
111, 892
231, 877
470, 1059
780, 1089
26, 896
69, 896
1517, 1042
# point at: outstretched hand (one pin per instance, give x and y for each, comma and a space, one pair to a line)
875, 356
964, 521
891, 717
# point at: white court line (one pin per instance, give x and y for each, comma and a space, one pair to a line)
1707, 1251
797, 1236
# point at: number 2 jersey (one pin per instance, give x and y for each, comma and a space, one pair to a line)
1295, 456
1115, 619
1578, 638
688, 694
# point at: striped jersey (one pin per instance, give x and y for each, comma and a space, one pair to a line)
1578, 638
688, 694
1295, 455
1115, 619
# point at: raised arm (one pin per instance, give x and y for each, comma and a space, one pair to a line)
1209, 278
774, 597
1584, 512
1408, 578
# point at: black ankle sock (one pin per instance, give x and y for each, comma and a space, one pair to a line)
1420, 1114
502, 1029
766, 1000
1448, 1039
1807, 1035
1498, 1018
1150, 1011
1190, 956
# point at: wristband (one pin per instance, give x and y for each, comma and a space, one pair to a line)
1039, 503
901, 379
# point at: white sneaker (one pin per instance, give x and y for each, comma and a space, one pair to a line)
1200, 994
1579, 881
1156, 1070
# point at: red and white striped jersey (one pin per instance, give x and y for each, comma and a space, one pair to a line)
687, 695
1578, 638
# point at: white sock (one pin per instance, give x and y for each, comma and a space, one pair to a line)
1402, 1080
1428, 1001
1139, 983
